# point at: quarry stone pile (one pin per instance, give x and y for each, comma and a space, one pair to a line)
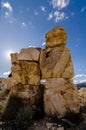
52, 64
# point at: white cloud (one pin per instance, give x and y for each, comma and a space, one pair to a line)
23, 24
43, 44
59, 16
6, 73
43, 8
50, 16
80, 76
31, 46
79, 81
60, 4
7, 14
83, 9
8, 7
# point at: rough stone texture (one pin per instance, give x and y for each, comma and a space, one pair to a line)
29, 54
28, 93
82, 93
60, 96
26, 73
55, 37
14, 57
56, 63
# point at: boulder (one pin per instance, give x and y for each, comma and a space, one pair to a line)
29, 54
60, 97
56, 63
56, 37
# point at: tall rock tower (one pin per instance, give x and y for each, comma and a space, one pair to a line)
60, 94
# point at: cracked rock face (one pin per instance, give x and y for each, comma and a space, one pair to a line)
56, 63
56, 37
60, 96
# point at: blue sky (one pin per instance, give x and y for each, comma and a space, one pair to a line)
23, 23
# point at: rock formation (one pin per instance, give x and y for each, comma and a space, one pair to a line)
26, 75
54, 63
60, 95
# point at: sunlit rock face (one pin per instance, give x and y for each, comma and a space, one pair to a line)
60, 97
56, 37
14, 58
60, 94
26, 72
29, 54
56, 63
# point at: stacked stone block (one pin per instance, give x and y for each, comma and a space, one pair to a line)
26, 74
60, 95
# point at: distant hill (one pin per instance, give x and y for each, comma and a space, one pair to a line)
80, 85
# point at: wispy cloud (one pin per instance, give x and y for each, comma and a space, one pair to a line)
43, 8
60, 4
23, 24
8, 7
83, 9
79, 81
59, 16
50, 16
80, 76
43, 44
6, 73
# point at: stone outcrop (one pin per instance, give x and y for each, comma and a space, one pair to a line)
60, 96
54, 63
26, 75
82, 93
26, 72
56, 37
29, 54
30, 94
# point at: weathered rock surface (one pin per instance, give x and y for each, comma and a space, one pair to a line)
56, 63
26, 73
14, 57
29, 54
56, 37
82, 93
30, 94
60, 97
